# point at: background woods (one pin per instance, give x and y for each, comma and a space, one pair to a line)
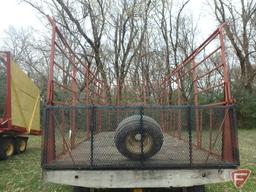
133, 44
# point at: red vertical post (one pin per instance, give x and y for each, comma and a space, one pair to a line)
94, 91
51, 126
74, 99
211, 123
52, 56
51, 153
87, 103
200, 127
8, 105
161, 103
100, 121
179, 103
144, 92
108, 117
62, 129
227, 140
117, 92
194, 73
174, 123
227, 92
118, 99
163, 114
168, 121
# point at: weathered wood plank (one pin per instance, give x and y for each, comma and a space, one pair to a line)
137, 178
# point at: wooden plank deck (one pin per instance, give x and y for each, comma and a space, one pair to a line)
105, 153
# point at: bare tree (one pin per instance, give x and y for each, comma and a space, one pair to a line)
178, 33
124, 40
32, 55
241, 32
130, 26
95, 11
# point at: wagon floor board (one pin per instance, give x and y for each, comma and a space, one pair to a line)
173, 151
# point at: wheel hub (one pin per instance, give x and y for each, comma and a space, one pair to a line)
133, 143
9, 149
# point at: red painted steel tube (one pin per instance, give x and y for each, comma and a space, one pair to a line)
100, 121
61, 103
209, 88
69, 59
63, 86
8, 112
208, 72
5, 120
196, 102
191, 56
50, 145
228, 98
50, 81
215, 104
144, 92
74, 102
174, 123
221, 128
203, 149
65, 71
200, 128
72, 52
62, 129
211, 123
208, 56
68, 148
108, 118
87, 103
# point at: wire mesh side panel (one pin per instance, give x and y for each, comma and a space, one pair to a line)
67, 136
94, 143
207, 135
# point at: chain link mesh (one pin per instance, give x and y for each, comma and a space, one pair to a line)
108, 137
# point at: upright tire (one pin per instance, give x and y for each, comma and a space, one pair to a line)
133, 131
20, 145
7, 148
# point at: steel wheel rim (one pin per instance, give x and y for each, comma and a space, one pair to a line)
22, 145
9, 149
133, 143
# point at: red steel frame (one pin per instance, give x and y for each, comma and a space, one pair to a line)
94, 90
227, 99
6, 125
6, 122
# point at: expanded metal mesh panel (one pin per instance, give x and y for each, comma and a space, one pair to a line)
143, 137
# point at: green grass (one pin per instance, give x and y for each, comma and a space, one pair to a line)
23, 172
247, 147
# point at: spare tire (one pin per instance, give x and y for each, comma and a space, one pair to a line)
133, 131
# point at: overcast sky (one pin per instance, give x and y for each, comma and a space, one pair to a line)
17, 14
